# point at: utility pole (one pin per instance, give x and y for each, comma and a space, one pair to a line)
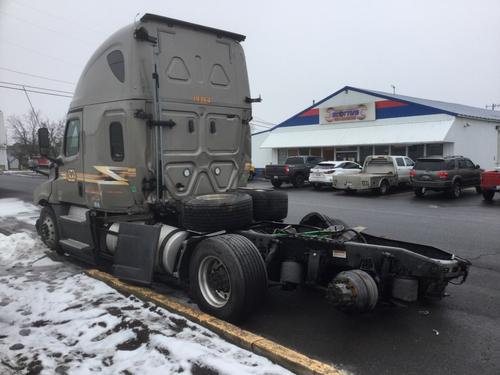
493, 106
393, 89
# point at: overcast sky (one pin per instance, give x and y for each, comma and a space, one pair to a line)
297, 51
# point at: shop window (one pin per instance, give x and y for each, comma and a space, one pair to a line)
304, 151
116, 141
346, 149
282, 155
416, 151
364, 151
72, 138
382, 150
293, 152
328, 153
398, 150
315, 151
435, 149
117, 64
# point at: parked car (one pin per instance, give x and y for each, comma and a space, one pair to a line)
379, 173
322, 174
490, 183
295, 170
450, 174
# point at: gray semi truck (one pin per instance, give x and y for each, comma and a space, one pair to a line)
150, 184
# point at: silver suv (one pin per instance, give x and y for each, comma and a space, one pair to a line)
450, 174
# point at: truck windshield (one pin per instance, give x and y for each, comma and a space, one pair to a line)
295, 160
430, 165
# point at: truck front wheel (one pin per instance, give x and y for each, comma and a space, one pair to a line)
227, 277
47, 228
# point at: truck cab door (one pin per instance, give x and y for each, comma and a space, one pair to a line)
69, 185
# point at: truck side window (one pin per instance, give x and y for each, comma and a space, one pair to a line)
117, 64
116, 141
72, 138
469, 164
400, 162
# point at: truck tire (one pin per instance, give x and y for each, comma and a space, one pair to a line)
227, 277
479, 189
47, 228
277, 184
268, 204
384, 187
488, 195
214, 212
298, 180
419, 191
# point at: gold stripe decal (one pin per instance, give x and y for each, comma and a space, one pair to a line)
107, 175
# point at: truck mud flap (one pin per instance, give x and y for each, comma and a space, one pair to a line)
135, 252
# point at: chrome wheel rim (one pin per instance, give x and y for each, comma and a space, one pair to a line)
214, 281
49, 231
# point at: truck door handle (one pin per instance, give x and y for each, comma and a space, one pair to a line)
190, 126
212, 127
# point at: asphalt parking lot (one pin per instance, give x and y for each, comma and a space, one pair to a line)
459, 335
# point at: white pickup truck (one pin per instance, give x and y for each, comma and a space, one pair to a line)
380, 173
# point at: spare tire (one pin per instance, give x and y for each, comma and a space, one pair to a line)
268, 204
214, 212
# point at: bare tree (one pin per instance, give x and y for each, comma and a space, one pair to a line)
23, 133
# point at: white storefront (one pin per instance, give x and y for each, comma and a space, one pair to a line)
353, 123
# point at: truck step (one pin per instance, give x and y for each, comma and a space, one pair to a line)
73, 219
74, 245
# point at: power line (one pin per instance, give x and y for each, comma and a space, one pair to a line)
47, 28
36, 76
39, 53
57, 17
36, 87
36, 92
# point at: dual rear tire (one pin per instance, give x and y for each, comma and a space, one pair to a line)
227, 277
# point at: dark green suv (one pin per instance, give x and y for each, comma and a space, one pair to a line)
450, 174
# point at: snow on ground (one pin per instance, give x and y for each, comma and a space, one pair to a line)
56, 320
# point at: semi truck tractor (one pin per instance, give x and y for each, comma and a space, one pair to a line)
151, 180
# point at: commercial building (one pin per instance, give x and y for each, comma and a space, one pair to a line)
353, 123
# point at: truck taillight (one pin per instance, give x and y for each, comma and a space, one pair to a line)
287, 169
413, 173
442, 174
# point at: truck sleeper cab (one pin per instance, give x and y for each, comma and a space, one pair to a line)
151, 181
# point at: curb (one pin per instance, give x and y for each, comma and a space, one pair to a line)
290, 359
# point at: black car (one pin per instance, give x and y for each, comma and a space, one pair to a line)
450, 174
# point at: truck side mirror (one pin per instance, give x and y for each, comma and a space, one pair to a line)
43, 141
478, 166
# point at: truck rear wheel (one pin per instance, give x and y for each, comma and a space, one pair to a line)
227, 276
419, 191
488, 195
47, 228
298, 181
384, 187
276, 183
268, 204
214, 212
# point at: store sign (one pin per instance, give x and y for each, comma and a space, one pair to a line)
347, 113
